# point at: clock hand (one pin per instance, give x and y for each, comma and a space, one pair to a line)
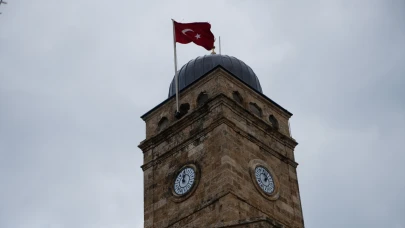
183, 176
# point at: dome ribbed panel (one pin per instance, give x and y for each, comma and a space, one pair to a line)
200, 66
245, 71
171, 88
256, 80
236, 66
228, 63
186, 77
208, 64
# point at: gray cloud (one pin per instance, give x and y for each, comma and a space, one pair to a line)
76, 75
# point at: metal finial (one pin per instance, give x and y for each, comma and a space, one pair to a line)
213, 51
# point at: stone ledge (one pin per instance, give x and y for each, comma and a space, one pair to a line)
245, 222
258, 222
203, 206
207, 108
203, 111
208, 129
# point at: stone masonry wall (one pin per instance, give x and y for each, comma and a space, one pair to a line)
160, 208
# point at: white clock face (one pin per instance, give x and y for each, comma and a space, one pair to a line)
184, 181
264, 179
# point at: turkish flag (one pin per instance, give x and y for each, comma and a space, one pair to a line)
198, 32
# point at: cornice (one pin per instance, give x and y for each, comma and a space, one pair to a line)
221, 119
220, 195
187, 120
261, 97
178, 126
259, 123
249, 220
185, 143
205, 204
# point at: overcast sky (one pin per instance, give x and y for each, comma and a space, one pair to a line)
75, 76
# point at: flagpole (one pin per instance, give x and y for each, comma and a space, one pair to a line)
175, 70
220, 45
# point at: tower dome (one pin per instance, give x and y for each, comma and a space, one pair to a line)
198, 67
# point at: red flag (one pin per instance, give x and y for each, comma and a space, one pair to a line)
198, 32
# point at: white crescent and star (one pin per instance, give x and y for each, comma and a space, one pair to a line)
184, 31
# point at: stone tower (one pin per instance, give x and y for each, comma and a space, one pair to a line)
227, 160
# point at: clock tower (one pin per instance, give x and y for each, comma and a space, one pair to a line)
227, 160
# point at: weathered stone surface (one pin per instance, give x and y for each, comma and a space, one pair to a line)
220, 137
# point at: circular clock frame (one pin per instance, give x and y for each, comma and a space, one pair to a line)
253, 164
181, 197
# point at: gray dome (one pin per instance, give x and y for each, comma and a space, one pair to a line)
198, 67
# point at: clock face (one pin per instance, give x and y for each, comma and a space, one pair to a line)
184, 181
264, 179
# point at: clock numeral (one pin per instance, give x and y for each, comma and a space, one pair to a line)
177, 189
188, 186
